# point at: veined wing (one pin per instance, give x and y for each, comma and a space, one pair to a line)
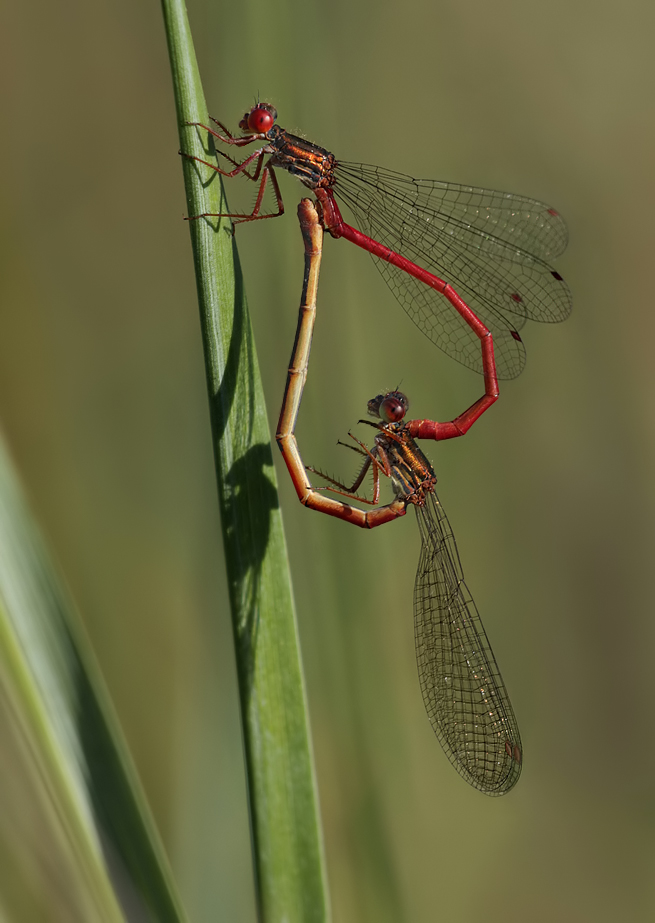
463, 691
491, 247
504, 224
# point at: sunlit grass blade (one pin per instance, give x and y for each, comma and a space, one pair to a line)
287, 844
75, 830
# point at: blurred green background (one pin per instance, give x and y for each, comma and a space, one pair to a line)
102, 397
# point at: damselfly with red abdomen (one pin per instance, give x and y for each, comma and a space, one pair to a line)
491, 248
463, 691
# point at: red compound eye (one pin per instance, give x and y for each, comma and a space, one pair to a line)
394, 407
261, 119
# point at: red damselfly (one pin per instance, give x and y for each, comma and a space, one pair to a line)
492, 248
463, 691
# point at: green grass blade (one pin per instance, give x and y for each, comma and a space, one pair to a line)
286, 832
72, 804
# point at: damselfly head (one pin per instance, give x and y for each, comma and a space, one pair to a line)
259, 119
390, 407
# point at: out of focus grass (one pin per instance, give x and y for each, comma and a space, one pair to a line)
74, 821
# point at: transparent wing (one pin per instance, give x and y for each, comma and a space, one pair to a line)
491, 247
463, 691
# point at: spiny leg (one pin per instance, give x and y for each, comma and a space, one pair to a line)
346, 491
240, 218
230, 139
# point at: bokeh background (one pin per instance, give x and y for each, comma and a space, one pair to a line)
102, 398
